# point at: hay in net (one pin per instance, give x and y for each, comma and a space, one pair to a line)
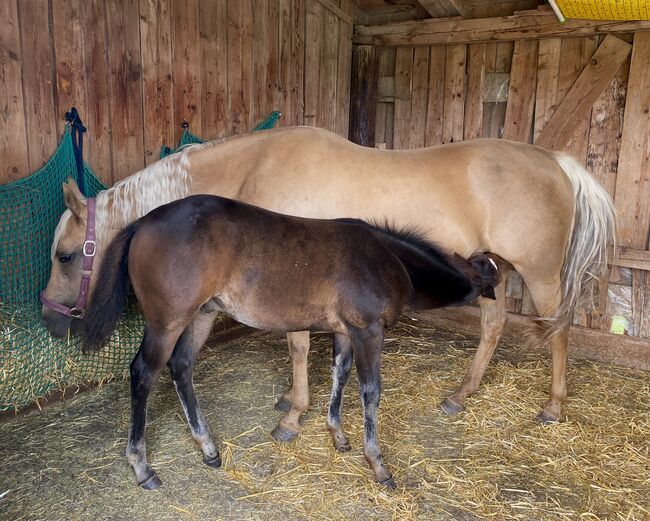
491, 462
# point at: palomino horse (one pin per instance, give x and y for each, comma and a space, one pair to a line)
190, 259
538, 211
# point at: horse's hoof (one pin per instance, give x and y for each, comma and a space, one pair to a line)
451, 407
214, 462
283, 405
151, 483
343, 447
546, 419
283, 435
389, 483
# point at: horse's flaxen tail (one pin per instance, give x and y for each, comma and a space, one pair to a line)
594, 231
108, 299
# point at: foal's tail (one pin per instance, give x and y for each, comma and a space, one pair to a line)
594, 230
109, 296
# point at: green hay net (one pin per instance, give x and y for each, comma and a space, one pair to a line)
32, 362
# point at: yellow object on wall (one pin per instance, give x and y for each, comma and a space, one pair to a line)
605, 9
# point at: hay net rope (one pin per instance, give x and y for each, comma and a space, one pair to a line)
32, 362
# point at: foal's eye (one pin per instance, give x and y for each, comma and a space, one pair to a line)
64, 258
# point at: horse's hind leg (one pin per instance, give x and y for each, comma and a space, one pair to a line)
297, 343
341, 364
155, 350
181, 365
367, 345
289, 426
493, 320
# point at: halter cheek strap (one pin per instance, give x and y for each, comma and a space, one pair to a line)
89, 249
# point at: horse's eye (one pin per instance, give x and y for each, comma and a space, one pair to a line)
64, 258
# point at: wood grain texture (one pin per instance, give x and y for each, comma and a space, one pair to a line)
343, 71
473, 125
548, 75
364, 93
261, 46
326, 117
298, 61
419, 97
403, 73
38, 82
436, 96
452, 125
576, 105
13, 133
157, 92
521, 96
313, 39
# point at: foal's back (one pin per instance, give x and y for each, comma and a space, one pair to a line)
267, 270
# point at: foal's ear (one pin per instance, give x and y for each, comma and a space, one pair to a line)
74, 199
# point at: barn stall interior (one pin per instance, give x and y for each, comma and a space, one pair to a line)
390, 75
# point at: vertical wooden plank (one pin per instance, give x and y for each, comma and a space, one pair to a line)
273, 96
38, 88
436, 102
548, 73
186, 57
286, 65
473, 126
98, 141
505, 52
326, 117
298, 60
521, 95
490, 57
364, 93
157, 101
122, 17
403, 73
343, 71
235, 92
13, 131
454, 94
633, 178
312, 60
67, 36
260, 40
385, 109
419, 97
247, 65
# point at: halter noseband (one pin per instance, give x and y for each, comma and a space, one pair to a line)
89, 249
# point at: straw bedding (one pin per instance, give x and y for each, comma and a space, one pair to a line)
491, 462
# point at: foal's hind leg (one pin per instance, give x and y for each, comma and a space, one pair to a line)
181, 365
155, 350
289, 426
341, 364
493, 320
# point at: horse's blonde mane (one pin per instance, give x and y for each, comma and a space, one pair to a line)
159, 183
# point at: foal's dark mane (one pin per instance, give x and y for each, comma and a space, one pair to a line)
438, 278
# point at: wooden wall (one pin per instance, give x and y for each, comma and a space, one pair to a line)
598, 91
136, 69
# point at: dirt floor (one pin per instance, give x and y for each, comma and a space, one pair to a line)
491, 462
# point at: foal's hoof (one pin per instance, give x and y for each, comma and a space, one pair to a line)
283, 405
214, 462
546, 419
343, 447
283, 435
389, 483
151, 483
451, 407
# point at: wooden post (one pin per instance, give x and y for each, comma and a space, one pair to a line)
363, 98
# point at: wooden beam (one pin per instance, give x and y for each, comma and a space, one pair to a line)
525, 25
586, 90
347, 18
632, 258
439, 8
363, 96
590, 344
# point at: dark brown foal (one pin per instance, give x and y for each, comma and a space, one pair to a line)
190, 259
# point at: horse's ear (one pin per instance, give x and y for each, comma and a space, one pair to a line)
74, 199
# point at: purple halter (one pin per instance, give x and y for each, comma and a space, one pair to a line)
89, 249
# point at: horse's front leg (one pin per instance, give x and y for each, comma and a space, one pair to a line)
289, 426
154, 352
493, 321
181, 366
367, 355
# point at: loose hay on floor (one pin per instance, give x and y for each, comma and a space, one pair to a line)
491, 462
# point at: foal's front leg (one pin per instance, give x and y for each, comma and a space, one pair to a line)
154, 352
296, 342
367, 346
341, 364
